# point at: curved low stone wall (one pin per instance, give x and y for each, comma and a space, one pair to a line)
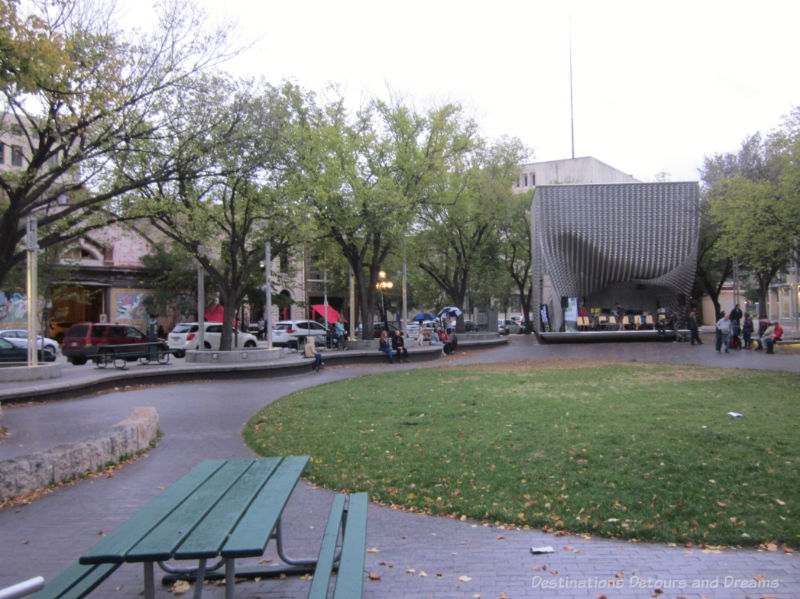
26, 474
40, 372
234, 356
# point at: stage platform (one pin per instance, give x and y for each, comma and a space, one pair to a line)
610, 336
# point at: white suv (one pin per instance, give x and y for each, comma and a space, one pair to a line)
293, 333
184, 336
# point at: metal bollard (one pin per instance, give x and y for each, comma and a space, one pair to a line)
22, 589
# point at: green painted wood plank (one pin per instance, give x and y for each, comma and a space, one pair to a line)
76, 581
327, 551
160, 543
207, 539
350, 578
114, 547
252, 533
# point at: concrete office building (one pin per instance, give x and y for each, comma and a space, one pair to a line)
633, 244
569, 171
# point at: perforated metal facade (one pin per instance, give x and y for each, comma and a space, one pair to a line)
634, 244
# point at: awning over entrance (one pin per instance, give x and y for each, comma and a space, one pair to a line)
333, 315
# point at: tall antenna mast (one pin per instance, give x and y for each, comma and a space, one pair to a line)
571, 107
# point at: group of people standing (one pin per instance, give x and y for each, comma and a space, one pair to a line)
737, 323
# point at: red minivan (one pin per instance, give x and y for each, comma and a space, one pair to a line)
85, 340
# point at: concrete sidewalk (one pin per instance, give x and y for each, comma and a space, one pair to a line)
411, 555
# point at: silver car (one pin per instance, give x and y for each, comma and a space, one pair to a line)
184, 337
293, 333
19, 337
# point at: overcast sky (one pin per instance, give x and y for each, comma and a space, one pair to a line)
657, 86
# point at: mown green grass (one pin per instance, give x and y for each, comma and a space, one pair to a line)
627, 450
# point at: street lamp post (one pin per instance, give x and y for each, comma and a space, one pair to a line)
32, 247
382, 285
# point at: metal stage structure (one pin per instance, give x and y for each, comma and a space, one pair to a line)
612, 248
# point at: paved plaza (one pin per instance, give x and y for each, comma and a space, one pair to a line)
409, 555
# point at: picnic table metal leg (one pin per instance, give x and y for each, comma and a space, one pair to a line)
149, 581
200, 579
230, 577
284, 557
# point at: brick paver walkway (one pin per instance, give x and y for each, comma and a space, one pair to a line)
411, 555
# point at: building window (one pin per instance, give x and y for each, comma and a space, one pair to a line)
16, 155
283, 260
525, 179
2, 152
533, 179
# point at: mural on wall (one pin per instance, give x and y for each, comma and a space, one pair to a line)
130, 306
13, 308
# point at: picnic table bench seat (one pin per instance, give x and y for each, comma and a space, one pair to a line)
349, 566
76, 582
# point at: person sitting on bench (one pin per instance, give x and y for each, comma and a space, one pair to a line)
399, 346
385, 345
310, 351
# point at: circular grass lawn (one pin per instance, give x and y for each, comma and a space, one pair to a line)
631, 450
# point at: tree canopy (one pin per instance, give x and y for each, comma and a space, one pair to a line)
754, 203
85, 99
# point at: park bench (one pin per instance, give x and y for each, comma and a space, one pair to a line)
225, 510
120, 355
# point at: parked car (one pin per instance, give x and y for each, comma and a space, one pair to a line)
19, 337
470, 326
377, 329
184, 336
85, 340
293, 333
15, 353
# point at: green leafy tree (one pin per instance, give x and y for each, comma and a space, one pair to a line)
235, 193
84, 98
460, 239
515, 238
366, 179
752, 201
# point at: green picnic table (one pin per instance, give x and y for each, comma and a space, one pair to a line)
223, 510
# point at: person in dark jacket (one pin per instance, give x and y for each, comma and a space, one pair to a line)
399, 346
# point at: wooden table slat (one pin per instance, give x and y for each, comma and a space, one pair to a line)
160, 543
115, 546
207, 539
252, 533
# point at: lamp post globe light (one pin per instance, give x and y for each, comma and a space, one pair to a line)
383, 285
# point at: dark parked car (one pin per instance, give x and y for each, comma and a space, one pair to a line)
470, 326
85, 340
14, 353
378, 327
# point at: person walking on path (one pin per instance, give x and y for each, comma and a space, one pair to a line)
724, 328
694, 328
